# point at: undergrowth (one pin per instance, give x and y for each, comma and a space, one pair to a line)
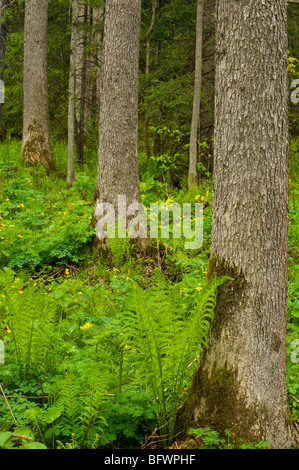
99, 349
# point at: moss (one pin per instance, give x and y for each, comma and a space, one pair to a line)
226, 408
37, 150
219, 403
222, 406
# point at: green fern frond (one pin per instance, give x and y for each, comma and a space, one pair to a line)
29, 316
166, 340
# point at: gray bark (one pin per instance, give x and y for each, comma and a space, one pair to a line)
36, 128
118, 168
194, 134
241, 383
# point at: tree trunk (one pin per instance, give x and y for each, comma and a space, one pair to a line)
81, 79
36, 128
196, 98
241, 383
147, 71
118, 168
3, 34
98, 15
72, 97
208, 87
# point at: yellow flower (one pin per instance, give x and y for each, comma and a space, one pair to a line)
197, 197
20, 236
86, 326
80, 293
199, 288
67, 271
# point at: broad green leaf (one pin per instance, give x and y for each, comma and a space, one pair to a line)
4, 436
52, 414
34, 445
32, 413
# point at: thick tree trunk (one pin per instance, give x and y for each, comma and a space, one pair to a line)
241, 383
194, 134
36, 128
118, 169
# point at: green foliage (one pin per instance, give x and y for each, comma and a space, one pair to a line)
165, 340
100, 352
26, 315
207, 438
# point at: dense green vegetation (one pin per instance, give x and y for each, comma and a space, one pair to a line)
101, 342
100, 348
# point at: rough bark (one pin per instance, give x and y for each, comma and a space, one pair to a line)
118, 168
36, 127
194, 134
241, 383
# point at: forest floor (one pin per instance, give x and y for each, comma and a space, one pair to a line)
79, 367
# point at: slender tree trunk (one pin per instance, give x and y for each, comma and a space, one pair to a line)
72, 97
194, 134
3, 34
147, 71
118, 168
241, 383
98, 20
208, 86
81, 80
36, 127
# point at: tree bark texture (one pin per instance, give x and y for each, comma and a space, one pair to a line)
118, 168
241, 383
36, 128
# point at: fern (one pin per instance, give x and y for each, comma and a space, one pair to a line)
166, 340
80, 405
69, 405
28, 314
120, 247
